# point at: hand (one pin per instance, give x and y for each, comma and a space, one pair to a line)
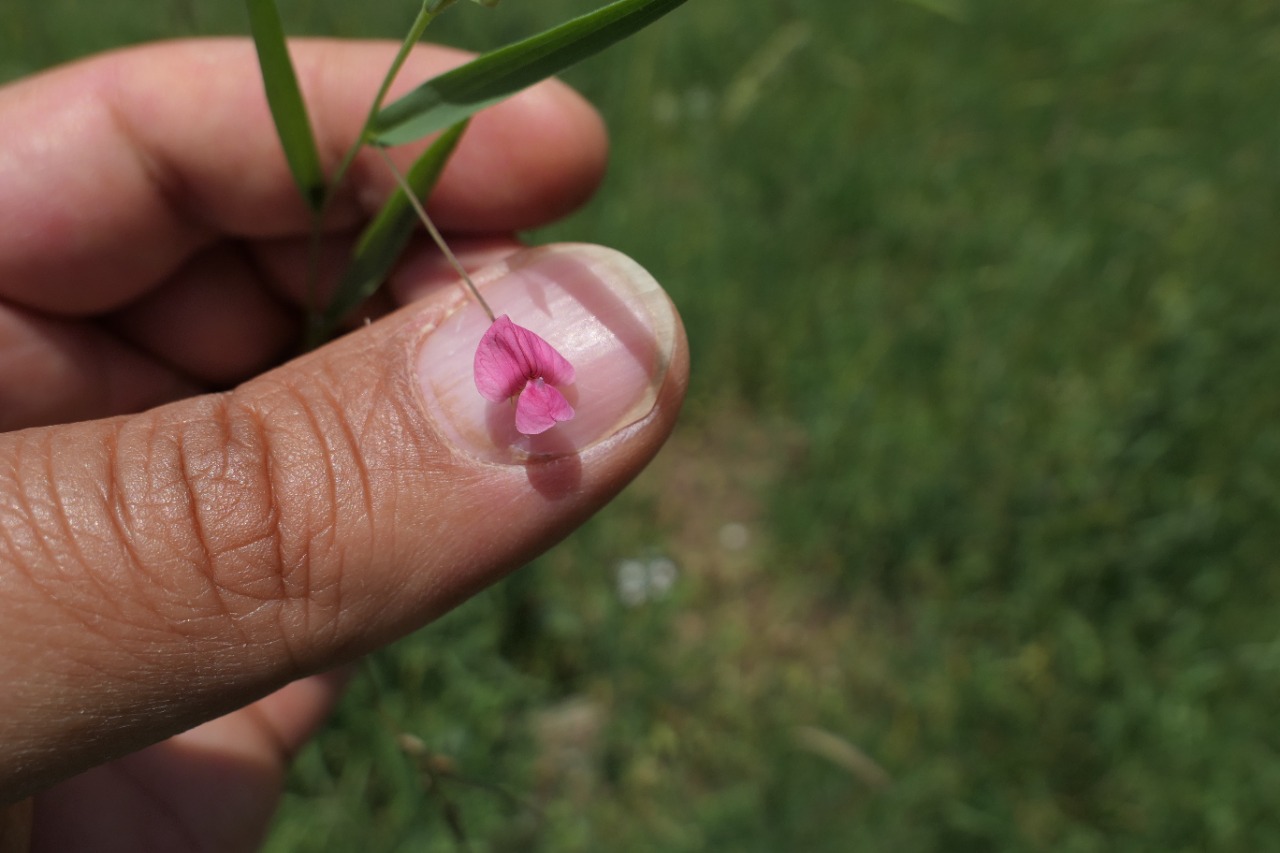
175, 580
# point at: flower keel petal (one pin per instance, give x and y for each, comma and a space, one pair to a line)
541, 407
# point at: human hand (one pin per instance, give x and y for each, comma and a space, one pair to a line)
174, 583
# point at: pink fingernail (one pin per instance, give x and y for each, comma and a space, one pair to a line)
595, 306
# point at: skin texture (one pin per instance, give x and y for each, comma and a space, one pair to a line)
182, 571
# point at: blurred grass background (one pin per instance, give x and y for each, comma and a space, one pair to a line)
968, 537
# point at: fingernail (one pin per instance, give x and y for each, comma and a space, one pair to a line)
600, 309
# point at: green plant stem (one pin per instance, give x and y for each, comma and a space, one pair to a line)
316, 327
428, 13
313, 334
435, 233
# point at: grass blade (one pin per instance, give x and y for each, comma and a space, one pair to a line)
285, 99
386, 236
458, 94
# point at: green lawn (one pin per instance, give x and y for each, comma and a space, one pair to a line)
975, 508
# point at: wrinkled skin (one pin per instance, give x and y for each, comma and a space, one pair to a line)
152, 248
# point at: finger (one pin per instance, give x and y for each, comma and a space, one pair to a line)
423, 269
163, 569
214, 787
119, 175
56, 371
211, 322
293, 714
426, 270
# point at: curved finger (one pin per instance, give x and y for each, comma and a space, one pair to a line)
214, 787
162, 569
63, 370
126, 164
211, 321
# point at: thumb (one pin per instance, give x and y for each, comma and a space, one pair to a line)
162, 569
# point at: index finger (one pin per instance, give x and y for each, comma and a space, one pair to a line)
118, 168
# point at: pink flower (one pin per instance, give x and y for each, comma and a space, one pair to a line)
510, 361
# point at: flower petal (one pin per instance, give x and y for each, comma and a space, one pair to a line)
547, 362
511, 355
541, 407
500, 369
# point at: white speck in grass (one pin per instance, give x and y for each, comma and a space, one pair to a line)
734, 536
666, 108
633, 582
642, 581
699, 103
662, 576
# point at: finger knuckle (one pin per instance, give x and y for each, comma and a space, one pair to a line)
239, 517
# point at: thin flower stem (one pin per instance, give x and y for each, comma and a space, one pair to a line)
435, 232
430, 9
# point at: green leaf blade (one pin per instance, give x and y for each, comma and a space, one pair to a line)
284, 97
483, 82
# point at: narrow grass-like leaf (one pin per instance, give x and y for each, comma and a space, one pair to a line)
458, 94
285, 99
386, 236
